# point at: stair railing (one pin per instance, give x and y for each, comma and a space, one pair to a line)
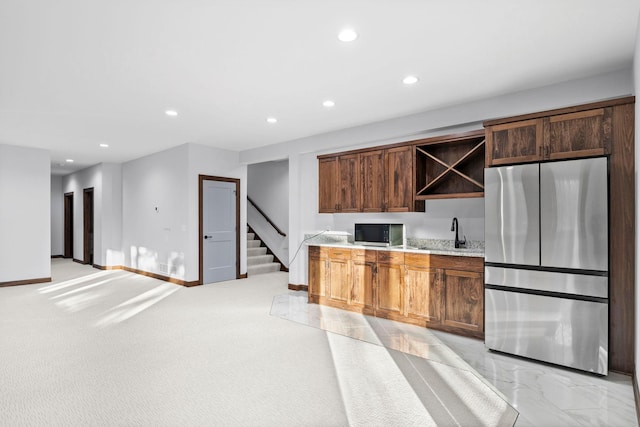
275, 227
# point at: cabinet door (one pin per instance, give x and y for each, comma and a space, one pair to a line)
372, 182
390, 292
399, 179
423, 293
515, 142
582, 134
327, 185
339, 282
317, 277
464, 300
349, 183
362, 283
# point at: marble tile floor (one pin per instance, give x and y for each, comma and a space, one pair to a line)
544, 395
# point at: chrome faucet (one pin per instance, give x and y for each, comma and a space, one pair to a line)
458, 243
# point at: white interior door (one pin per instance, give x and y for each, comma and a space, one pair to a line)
218, 231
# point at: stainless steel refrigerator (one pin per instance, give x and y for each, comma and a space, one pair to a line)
546, 262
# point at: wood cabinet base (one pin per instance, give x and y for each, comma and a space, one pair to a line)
314, 299
433, 291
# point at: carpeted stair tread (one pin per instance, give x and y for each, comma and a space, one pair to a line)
258, 261
253, 243
262, 268
256, 251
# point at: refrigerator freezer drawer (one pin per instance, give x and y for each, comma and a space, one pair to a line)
566, 283
573, 214
562, 331
512, 219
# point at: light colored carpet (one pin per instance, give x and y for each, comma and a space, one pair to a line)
114, 348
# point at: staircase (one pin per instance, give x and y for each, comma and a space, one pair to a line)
258, 261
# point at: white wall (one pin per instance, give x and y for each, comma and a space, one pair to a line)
111, 227
166, 240
214, 162
57, 216
268, 186
76, 183
436, 221
25, 213
155, 212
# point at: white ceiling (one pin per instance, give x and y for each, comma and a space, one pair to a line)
77, 73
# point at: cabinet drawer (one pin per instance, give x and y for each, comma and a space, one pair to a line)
464, 263
417, 260
318, 252
391, 257
340, 253
363, 255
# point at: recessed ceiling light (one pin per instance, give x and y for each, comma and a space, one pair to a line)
328, 103
272, 120
409, 80
171, 113
104, 145
69, 160
347, 35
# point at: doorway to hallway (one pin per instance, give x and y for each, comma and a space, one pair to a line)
68, 225
87, 202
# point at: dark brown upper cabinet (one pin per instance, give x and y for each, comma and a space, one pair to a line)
517, 142
581, 134
569, 133
399, 179
349, 183
328, 184
339, 184
372, 180
376, 180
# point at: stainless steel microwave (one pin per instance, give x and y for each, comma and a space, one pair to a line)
379, 234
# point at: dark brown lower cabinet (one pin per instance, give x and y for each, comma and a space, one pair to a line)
463, 305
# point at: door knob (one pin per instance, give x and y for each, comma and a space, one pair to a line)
206, 237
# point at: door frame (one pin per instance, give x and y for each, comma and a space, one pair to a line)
88, 205
68, 225
201, 179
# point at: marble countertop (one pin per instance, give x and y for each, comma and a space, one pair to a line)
426, 249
